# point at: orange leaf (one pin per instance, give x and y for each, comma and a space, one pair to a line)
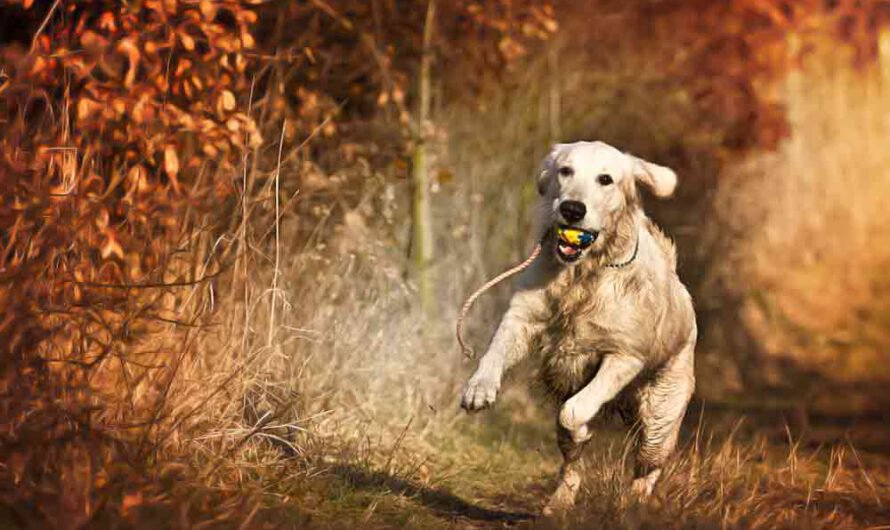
227, 100
138, 112
207, 9
171, 161
84, 107
111, 246
93, 41
129, 47
183, 65
102, 219
138, 179
38, 66
120, 106
187, 41
130, 501
106, 22
247, 39
210, 150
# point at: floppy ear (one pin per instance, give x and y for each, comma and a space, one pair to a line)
660, 179
547, 167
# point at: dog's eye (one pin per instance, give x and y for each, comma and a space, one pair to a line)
604, 180
566, 171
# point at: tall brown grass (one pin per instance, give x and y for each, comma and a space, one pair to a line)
719, 481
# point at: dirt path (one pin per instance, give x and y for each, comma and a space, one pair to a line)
495, 470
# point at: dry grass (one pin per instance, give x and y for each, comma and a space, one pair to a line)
720, 482
496, 470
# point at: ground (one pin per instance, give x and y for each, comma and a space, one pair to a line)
735, 469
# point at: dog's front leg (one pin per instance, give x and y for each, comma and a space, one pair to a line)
615, 372
508, 346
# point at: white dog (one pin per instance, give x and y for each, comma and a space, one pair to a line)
603, 308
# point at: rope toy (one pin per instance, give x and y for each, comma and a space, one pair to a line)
465, 348
577, 238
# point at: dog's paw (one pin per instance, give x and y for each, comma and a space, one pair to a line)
642, 488
479, 393
556, 508
574, 420
563, 499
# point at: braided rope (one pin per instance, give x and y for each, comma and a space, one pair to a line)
468, 350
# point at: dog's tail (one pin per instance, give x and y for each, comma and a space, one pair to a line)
467, 350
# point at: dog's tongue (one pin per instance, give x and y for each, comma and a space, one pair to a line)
568, 250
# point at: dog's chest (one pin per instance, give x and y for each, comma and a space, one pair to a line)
580, 326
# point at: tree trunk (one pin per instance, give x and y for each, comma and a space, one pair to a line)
884, 55
422, 244
554, 99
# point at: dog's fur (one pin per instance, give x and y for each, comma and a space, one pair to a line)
604, 334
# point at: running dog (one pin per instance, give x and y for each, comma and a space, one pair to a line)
603, 309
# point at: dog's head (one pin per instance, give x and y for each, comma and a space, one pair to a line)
587, 187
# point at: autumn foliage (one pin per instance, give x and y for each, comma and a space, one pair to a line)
122, 129
117, 123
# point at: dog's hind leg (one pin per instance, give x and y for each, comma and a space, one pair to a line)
569, 474
662, 405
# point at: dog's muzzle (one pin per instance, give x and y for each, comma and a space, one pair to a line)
571, 242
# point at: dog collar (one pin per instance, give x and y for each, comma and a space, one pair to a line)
629, 260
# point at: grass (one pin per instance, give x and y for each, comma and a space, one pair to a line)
443, 469
495, 469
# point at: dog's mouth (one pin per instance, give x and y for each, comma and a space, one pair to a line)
572, 242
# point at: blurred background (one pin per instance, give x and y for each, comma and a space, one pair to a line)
236, 233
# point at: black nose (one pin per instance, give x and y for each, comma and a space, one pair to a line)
572, 211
